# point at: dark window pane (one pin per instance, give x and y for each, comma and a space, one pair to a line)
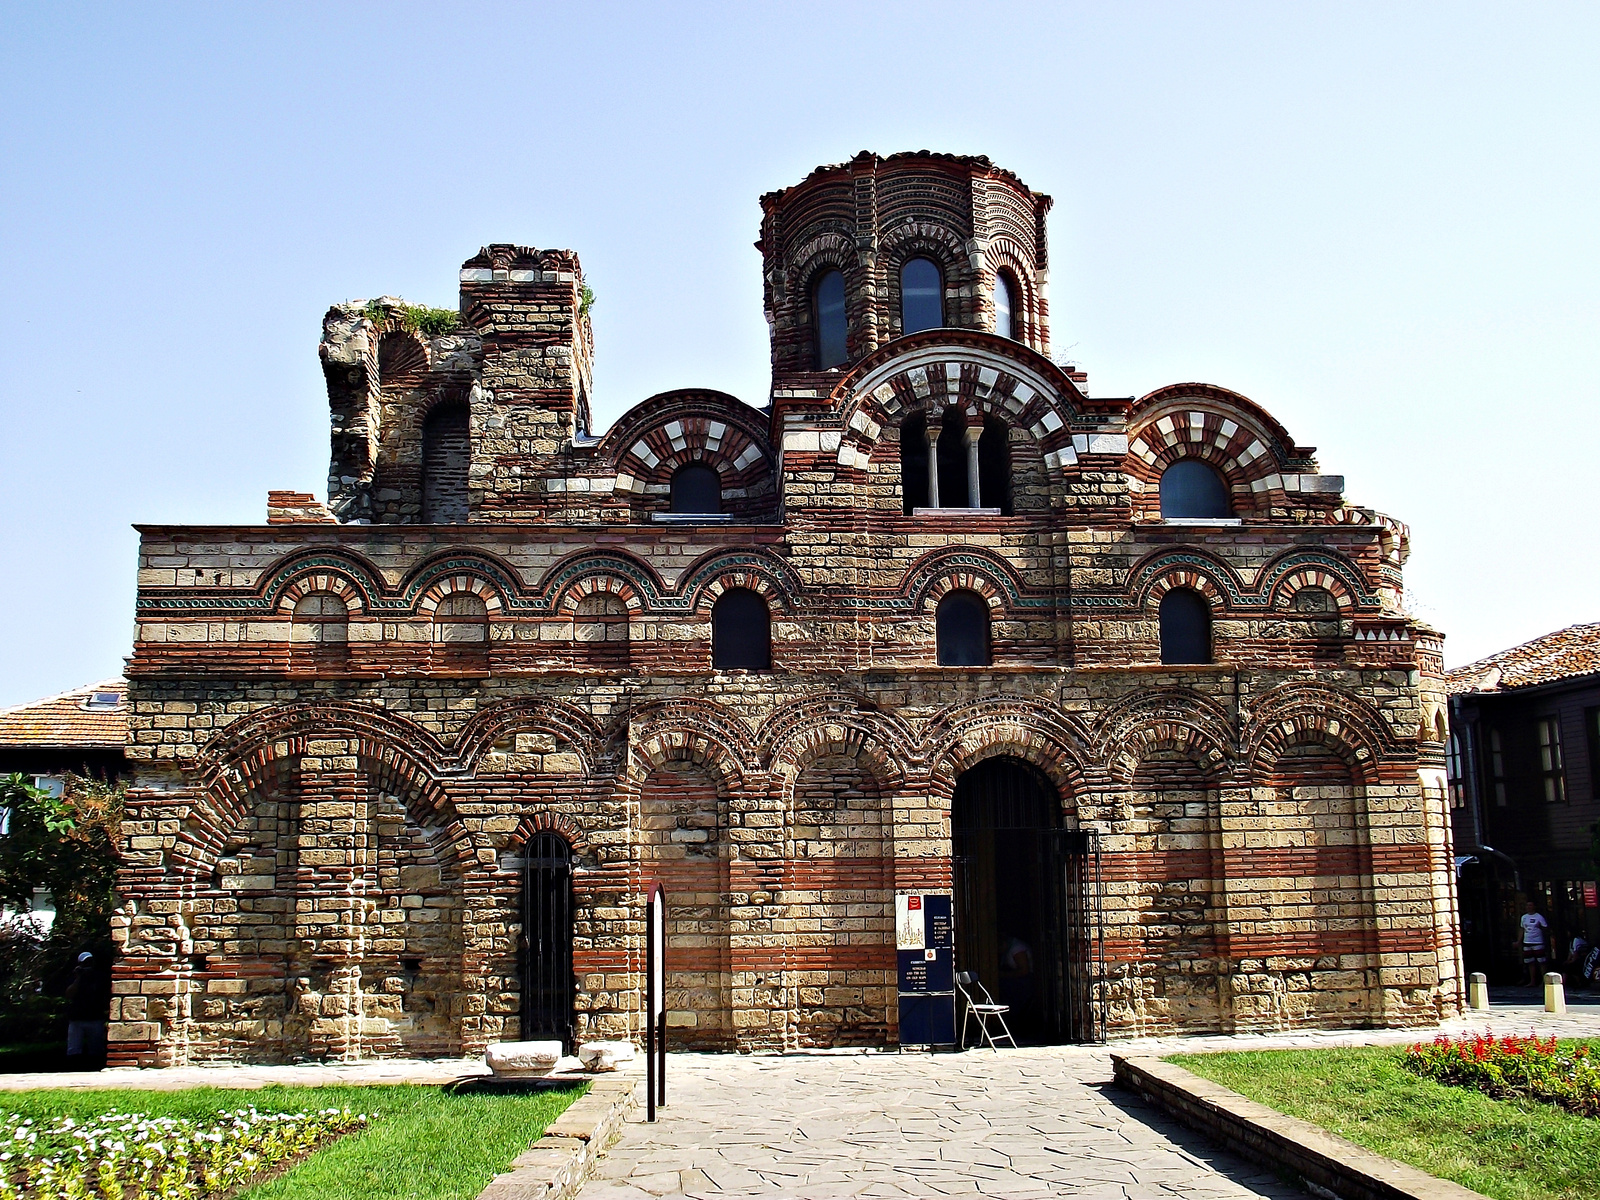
1185, 627
953, 459
696, 488
741, 632
921, 296
1190, 488
446, 455
1002, 306
828, 299
962, 628
994, 466
914, 463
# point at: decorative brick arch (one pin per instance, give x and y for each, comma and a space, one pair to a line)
1284, 590
599, 583
689, 730
1006, 255
351, 571
453, 585
957, 739
838, 724
328, 582
766, 575
545, 821
1159, 573
568, 724
1302, 713
940, 572
461, 571
1171, 720
588, 571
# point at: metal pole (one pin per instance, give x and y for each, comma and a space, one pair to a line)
650, 1007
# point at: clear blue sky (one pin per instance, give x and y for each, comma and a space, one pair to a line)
1379, 221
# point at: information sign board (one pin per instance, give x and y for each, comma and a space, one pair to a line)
924, 939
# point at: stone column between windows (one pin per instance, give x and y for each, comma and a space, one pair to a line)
973, 433
933, 464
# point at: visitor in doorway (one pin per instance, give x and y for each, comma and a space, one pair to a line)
1535, 944
1572, 965
88, 1003
1016, 972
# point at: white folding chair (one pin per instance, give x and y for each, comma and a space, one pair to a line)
984, 1010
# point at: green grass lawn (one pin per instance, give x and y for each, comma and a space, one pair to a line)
421, 1144
1508, 1150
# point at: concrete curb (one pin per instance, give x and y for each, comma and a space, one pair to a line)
1326, 1164
556, 1165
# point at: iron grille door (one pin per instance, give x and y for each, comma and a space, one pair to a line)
547, 983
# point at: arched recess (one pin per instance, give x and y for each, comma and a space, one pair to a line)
958, 738
446, 463
1302, 712
839, 881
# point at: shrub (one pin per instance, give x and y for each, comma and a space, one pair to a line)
1513, 1067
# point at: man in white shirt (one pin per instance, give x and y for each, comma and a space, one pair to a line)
1535, 944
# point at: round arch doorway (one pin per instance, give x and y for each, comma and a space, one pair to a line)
1024, 906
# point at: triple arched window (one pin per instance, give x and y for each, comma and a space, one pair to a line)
1192, 490
741, 632
1185, 617
828, 319
961, 629
921, 295
947, 462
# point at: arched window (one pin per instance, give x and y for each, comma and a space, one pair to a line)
921, 296
461, 617
446, 455
914, 463
320, 618
741, 632
1193, 489
994, 466
1185, 627
1003, 306
952, 454
961, 625
696, 488
827, 311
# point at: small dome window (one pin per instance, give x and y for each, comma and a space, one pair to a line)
741, 632
921, 296
1185, 627
961, 625
827, 304
1003, 306
696, 488
1192, 490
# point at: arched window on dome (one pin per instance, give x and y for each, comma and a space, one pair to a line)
961, 627
1185, 628
696, 488
828, 317
446, 457
1004, 305
741, 632
1192, 490
921, 296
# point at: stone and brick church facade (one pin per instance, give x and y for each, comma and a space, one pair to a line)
1130, 676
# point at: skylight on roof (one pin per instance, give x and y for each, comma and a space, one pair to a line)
103, 700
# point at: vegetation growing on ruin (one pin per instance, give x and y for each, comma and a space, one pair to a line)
414, 318
1511, 1149
419, 1143
585, 300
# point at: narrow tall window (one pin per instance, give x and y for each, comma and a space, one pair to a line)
446, 456
741, 632
914, 463
1455, 772
994, 466
1003, 305
827, 311
921, 296
1552, 772
1191, 489
461, 617
952, 460
1185, 627
696, 488
1497, 768
961, 626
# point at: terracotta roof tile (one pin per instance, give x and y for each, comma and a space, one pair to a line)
70, 719
1564, 654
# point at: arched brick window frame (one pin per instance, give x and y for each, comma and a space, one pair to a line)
1004, 256
1285, 590
330, 582
647, 464
827, 251
944, 249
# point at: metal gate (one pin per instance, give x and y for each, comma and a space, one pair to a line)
547, 981
1021, 878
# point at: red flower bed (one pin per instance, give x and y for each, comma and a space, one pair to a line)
1513, 1067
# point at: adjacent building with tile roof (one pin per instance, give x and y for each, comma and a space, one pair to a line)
1525, 792
83, 731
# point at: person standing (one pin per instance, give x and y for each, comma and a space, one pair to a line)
1535, 944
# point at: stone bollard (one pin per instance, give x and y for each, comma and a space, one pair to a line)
1478, 992
1555, 993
